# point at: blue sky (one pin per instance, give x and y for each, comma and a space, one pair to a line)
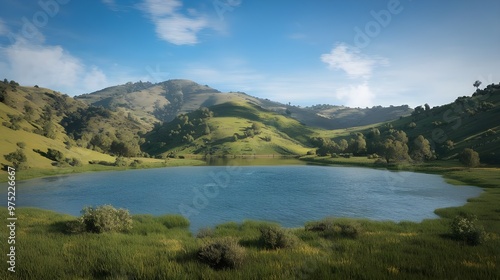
354, 53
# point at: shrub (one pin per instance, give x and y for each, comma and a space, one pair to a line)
350, 230
469, 158
105, 218
18, 159
55, 155
205, 232
330, 228
21, 145
465, 228
120, 162
273, 237
222, 253
74, 162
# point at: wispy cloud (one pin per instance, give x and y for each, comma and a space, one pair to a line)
3, 28
111, 4
171, 24
351, 61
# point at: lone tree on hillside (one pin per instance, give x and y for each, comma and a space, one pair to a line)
476, 84
469, 158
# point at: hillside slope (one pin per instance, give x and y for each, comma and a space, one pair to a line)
149, 103
36, 120
469, 122
230, 129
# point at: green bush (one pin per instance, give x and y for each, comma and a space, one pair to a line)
205, 232
273, 237
55, 155
105, 218
222, 253
331, 228
18, 159
21, 145
120, 162
465, 228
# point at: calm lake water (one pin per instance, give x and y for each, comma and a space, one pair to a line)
290, 195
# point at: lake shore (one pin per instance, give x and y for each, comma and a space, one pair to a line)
384, 250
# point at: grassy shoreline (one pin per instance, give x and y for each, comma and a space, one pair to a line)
384, 250
34, 173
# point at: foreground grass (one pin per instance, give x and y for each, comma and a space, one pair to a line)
163, 248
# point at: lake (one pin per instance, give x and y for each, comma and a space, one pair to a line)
211, 195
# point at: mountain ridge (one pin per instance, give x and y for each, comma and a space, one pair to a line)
165, 100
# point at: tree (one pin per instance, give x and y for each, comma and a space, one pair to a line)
421, 149
18, 159
343, 145
418, 110
207, 130
55, 155
357, 145
469, 158
394, 150
256, 128
476, 84
427, 107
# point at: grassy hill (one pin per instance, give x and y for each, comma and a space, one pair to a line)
230, 128
469, 122
149, 103
57, 134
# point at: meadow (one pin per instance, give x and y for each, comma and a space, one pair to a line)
162, 247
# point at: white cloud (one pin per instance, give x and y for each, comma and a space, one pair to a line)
49, 66
179, 30
351, 61
357, 96
95, 79
173, 26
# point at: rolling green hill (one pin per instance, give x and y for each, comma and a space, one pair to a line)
230, 129
149, 103
469, 122
54, 130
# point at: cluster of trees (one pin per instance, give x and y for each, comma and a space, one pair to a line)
254, 129
185, 128
86, 128
356, 145
392, 145
4, 96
